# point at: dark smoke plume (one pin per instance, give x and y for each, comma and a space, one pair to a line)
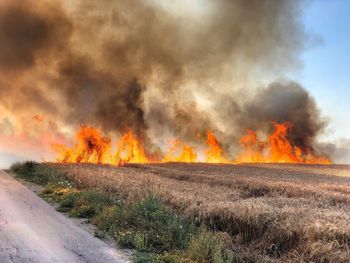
285, 102
26, 31
162, 72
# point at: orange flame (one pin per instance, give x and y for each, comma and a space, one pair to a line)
214, 152
130, 150
277, 149
180, 152
94, 147
253, 149
280, 148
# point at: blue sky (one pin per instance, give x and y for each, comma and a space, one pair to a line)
326, 72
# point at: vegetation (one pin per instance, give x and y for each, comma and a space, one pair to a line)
208, 213
147, 225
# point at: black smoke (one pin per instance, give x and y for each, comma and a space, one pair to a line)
285, 102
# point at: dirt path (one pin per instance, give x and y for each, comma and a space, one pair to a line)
32, 231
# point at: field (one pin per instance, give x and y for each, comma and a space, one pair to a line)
265, 212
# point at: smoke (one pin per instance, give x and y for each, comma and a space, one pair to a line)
26, 31
149, 66
339, 150
33, 35
285, 102
96, 97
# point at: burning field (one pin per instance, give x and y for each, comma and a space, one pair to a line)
189, 105
94, 147
202, 82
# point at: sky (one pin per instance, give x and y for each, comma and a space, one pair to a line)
326, 72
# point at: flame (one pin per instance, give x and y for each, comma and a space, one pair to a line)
277, 149
93, 147
130, 150
253, 149
180, 152
214, 152
280, 148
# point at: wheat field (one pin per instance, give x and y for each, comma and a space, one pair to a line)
281, 213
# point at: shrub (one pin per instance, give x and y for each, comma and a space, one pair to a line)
106, 220
24, 170
209, 247
84, 204
147, 226
68, 202
160, 229
83, 211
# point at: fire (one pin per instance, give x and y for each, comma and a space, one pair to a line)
280, 148
94, 147
180, 152
253, 149
277, 149
130, 150
214, 152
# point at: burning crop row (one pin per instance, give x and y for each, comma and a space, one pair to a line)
94, 147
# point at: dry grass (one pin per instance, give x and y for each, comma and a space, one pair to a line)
280, 213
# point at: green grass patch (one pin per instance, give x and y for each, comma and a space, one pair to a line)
25, 170
84, 204
40, 174
147, 226
211, 247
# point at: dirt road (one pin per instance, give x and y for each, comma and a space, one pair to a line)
32, 231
